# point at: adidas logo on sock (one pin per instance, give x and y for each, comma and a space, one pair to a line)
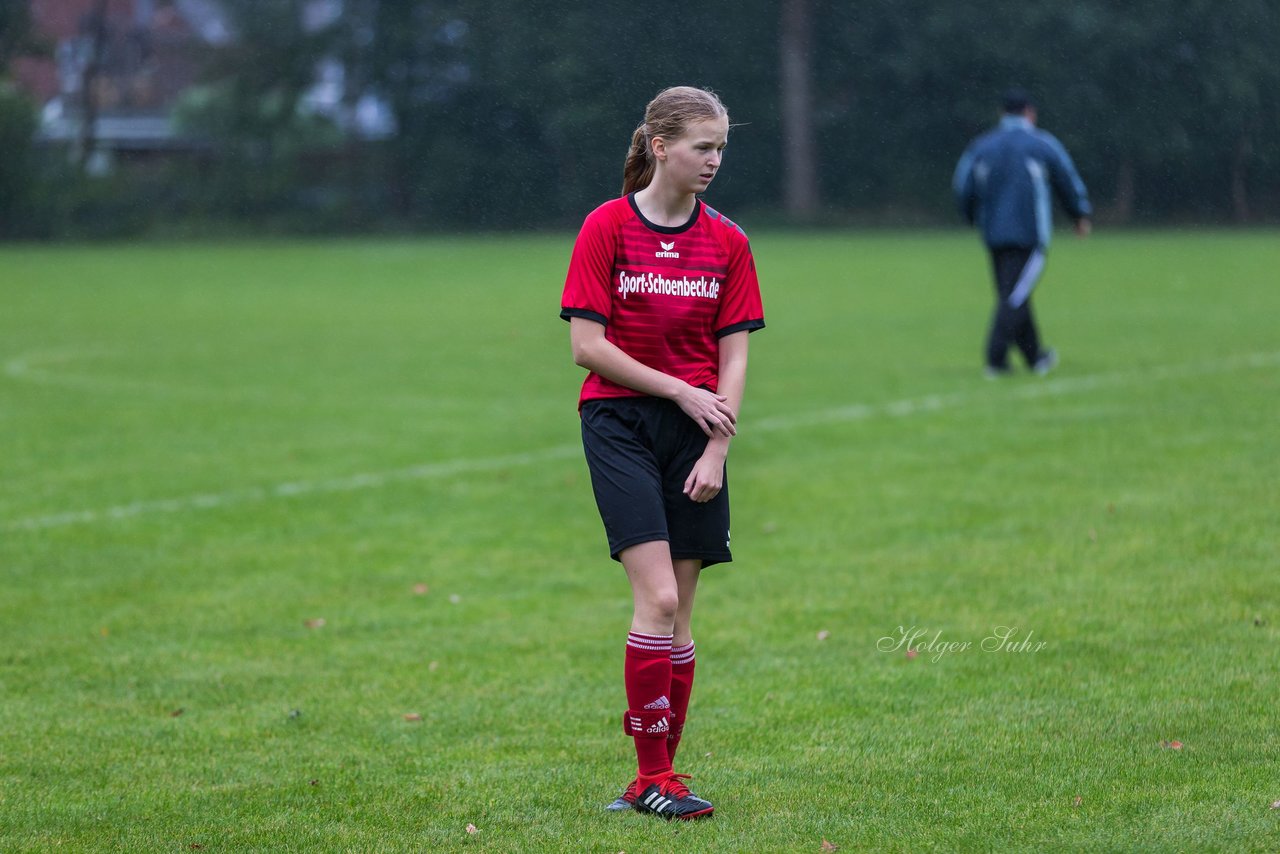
659, 727
660, 703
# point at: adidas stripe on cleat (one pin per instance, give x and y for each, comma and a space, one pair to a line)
668, 797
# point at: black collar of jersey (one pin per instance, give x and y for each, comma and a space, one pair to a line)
666, 229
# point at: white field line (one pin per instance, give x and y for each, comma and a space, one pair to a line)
49, 368
294, 489
35, 368
449, 468
1046, 388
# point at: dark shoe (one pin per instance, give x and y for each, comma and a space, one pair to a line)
993, 372
1047, 361
668, 797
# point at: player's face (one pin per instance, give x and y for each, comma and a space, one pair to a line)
693, 159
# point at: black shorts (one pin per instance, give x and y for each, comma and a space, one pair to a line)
640, 450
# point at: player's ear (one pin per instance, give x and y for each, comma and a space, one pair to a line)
659, 147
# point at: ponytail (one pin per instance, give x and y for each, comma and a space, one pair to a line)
668, 115
638, 170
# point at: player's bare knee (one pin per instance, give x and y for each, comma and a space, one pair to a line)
662, 605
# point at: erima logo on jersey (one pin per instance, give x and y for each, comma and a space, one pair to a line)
667, 250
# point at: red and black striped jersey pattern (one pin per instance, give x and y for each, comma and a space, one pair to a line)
665, 295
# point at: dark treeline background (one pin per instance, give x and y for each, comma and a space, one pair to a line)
511, 114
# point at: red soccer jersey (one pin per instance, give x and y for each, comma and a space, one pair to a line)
665, 295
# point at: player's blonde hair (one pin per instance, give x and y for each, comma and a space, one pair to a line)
668, 115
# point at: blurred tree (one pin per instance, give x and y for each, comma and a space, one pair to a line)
504, 114
253, 114
94, 32
1171, 101
795, 47
18, 183
1166, 109
1235, 50
15, 33
18, 187
517, 115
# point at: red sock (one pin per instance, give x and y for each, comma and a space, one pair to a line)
647, 673
681, 689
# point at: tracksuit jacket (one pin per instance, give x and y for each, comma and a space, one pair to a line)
1002, 184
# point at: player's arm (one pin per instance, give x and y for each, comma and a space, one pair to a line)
707, 477
1068, 185
591, 350
962, 186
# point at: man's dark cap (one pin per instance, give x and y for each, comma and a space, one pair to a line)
1016, 100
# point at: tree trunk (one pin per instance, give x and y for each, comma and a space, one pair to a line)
800, 174
1122, 207
1239, 189
95, 27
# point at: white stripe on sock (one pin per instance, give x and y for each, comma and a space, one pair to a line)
652, 643
682, 654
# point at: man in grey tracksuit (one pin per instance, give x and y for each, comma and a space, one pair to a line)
1003, 184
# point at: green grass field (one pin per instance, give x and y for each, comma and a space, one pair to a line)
227, 470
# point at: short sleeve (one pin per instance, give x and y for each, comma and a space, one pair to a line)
587, 285
741, 308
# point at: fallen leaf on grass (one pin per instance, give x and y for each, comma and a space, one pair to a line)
912, 653
413, 716
1275, 805
471, 828
176, 713
315, 782
435, 665
1171, 745
829, 846
315, 623
1093, 535
421, 590
823, 635
454, 598
294, 714
1077, 801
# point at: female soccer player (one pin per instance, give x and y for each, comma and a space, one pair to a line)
660, 297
